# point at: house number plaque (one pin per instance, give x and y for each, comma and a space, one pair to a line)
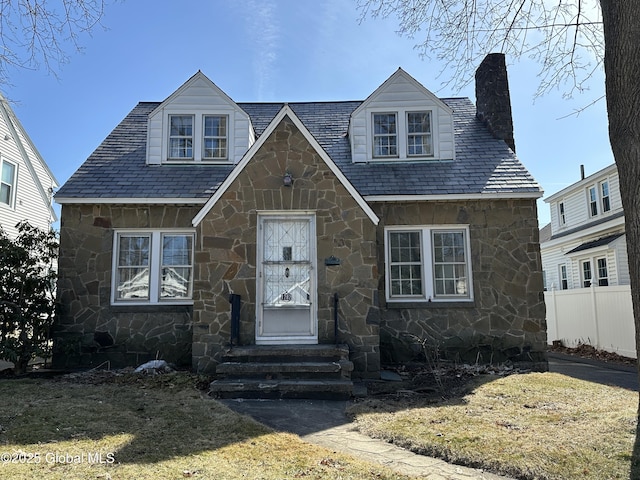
286, 297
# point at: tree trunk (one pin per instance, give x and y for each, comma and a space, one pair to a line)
622, 69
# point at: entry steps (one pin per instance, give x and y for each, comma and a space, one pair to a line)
284, 371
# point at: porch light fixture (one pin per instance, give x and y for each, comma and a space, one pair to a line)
287, 180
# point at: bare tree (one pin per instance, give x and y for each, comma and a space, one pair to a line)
39, 33
570, 40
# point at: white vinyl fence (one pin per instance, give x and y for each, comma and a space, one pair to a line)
598, 316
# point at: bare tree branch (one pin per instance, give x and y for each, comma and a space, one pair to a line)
40, 33
564, 37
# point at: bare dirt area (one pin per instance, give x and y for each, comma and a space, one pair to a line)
587, 351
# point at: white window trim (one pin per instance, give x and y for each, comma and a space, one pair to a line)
562, 214
155, 266
428, 290
402, 134
198, 136
14, 185
596, 273
430, 133
602, 196
583, 279
562, 268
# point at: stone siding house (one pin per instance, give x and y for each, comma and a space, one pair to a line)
201, 225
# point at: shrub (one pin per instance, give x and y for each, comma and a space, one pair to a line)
27, 290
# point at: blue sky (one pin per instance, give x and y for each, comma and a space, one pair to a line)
276, 50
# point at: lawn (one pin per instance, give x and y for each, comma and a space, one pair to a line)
528, 426
162, 427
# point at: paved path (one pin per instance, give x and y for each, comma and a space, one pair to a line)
324, 423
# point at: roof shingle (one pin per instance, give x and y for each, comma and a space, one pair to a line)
483, 164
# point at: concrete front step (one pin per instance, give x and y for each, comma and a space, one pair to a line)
294, 369
287, 353
284, 371
273, 389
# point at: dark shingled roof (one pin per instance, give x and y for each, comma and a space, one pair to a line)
483, 164
596, 243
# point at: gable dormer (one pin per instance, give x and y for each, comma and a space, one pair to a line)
402, 121
198, 124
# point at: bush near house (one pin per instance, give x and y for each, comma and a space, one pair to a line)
27, 283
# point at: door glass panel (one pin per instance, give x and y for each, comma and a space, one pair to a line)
287, 264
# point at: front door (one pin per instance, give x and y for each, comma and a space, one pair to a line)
286, 282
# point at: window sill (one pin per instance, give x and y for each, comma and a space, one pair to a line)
150, 307
392, 305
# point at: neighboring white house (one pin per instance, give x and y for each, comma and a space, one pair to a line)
26, 183
585, 265
585, 241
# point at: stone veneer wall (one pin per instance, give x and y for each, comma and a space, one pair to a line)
88, 329
506, 321
226, 256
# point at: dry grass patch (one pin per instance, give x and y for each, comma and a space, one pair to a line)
530, 426
149, 428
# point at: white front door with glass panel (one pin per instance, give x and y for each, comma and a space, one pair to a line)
286, 282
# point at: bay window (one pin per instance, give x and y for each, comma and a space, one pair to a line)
428, 264
153, 267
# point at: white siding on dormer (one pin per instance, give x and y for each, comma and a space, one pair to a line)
198, 97
401, 94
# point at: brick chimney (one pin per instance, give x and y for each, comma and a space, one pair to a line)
493, 103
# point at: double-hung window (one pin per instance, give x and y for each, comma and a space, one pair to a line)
602, 272
561, 214
8, 172
385, 135
181, 137
593, 201
153, 267
428, 264
419, 140
587, 274
564, 281
604, 196
214, 137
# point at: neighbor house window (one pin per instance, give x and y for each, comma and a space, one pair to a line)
563, 219
385, 135
153, 267
593, 201
604, 197
419, 141
428, 263
181, 136
8, 172
564, 283
603, 273
586, 273
214, 137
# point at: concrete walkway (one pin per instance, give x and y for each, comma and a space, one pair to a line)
324, 423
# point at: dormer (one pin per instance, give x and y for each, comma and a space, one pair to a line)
198, 124
402, 121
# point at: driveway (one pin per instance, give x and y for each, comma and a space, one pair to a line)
594, 370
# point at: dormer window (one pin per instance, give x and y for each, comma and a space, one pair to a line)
181, 137
385, 135
200, 137
402, 135
419, 141
215, 137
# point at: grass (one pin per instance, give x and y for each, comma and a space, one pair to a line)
529, 426
153, 428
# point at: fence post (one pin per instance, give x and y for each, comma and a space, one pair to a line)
594, 308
